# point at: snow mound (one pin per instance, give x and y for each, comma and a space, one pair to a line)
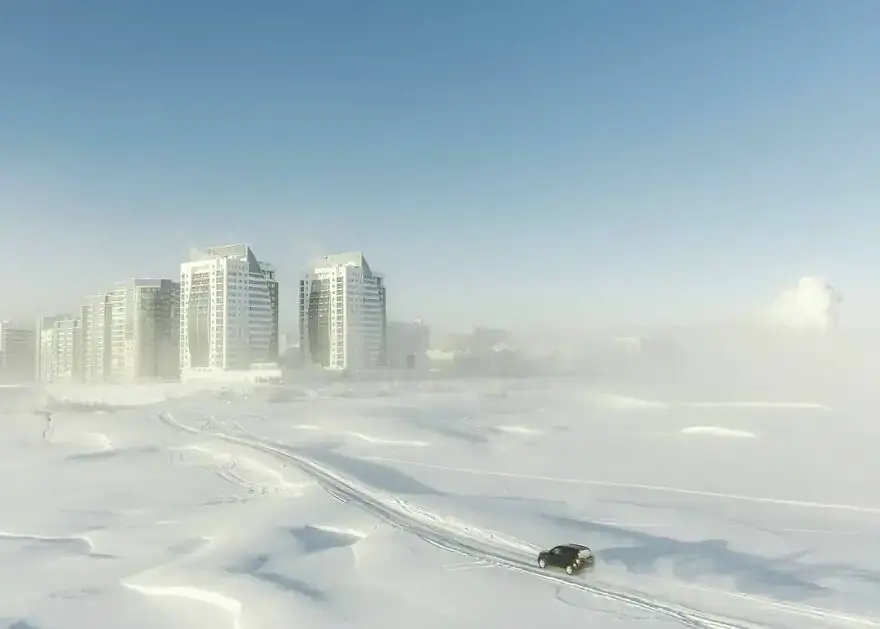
615, 402
518, 430
378, 441
76, 544
243, 470
316, 538
92, 441
227, 604
99, 440
718, 431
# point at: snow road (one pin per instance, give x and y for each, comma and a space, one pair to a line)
459, 538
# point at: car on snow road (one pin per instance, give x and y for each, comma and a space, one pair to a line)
570, 557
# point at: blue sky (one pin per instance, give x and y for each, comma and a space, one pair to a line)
518, 162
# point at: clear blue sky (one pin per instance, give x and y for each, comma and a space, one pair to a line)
510, 161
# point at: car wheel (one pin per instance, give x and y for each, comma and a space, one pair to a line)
542, 563
569, 569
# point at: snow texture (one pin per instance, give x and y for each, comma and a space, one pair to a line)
428, 505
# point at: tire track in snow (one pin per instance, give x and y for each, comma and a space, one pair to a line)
227, 470
460, 539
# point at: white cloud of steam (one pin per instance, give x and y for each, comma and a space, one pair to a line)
812, 304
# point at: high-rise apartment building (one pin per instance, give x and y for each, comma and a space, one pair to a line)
226, 314
131, 333
17, 352
43, 350
95, 321
342, 314
58, 349
272, 286
144, 332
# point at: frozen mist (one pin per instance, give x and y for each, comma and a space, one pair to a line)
379, 504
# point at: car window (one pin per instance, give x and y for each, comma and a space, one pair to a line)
557, 550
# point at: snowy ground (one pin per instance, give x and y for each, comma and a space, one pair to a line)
377, 505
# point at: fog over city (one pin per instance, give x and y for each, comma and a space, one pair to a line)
448, 314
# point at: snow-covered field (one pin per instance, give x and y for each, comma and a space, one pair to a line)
379, 505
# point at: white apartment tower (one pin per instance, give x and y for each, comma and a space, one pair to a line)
144, 330
58, 352
131, 333
95, 338
226, 312
342, 314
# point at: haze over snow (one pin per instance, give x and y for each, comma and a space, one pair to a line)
391, 504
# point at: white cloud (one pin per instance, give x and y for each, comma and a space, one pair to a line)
811, 304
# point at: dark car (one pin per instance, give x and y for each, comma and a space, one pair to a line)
570, 557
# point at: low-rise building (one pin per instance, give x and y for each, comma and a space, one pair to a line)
17, 352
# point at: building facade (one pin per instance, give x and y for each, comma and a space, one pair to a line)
226, 314
128, 334
95, 323
342, 314
144, 333
17, 352
58, 349
131, 333
272, 286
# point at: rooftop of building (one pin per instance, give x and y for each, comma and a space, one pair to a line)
142, 282
46, 322
16, 326
241, 251
350, 258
